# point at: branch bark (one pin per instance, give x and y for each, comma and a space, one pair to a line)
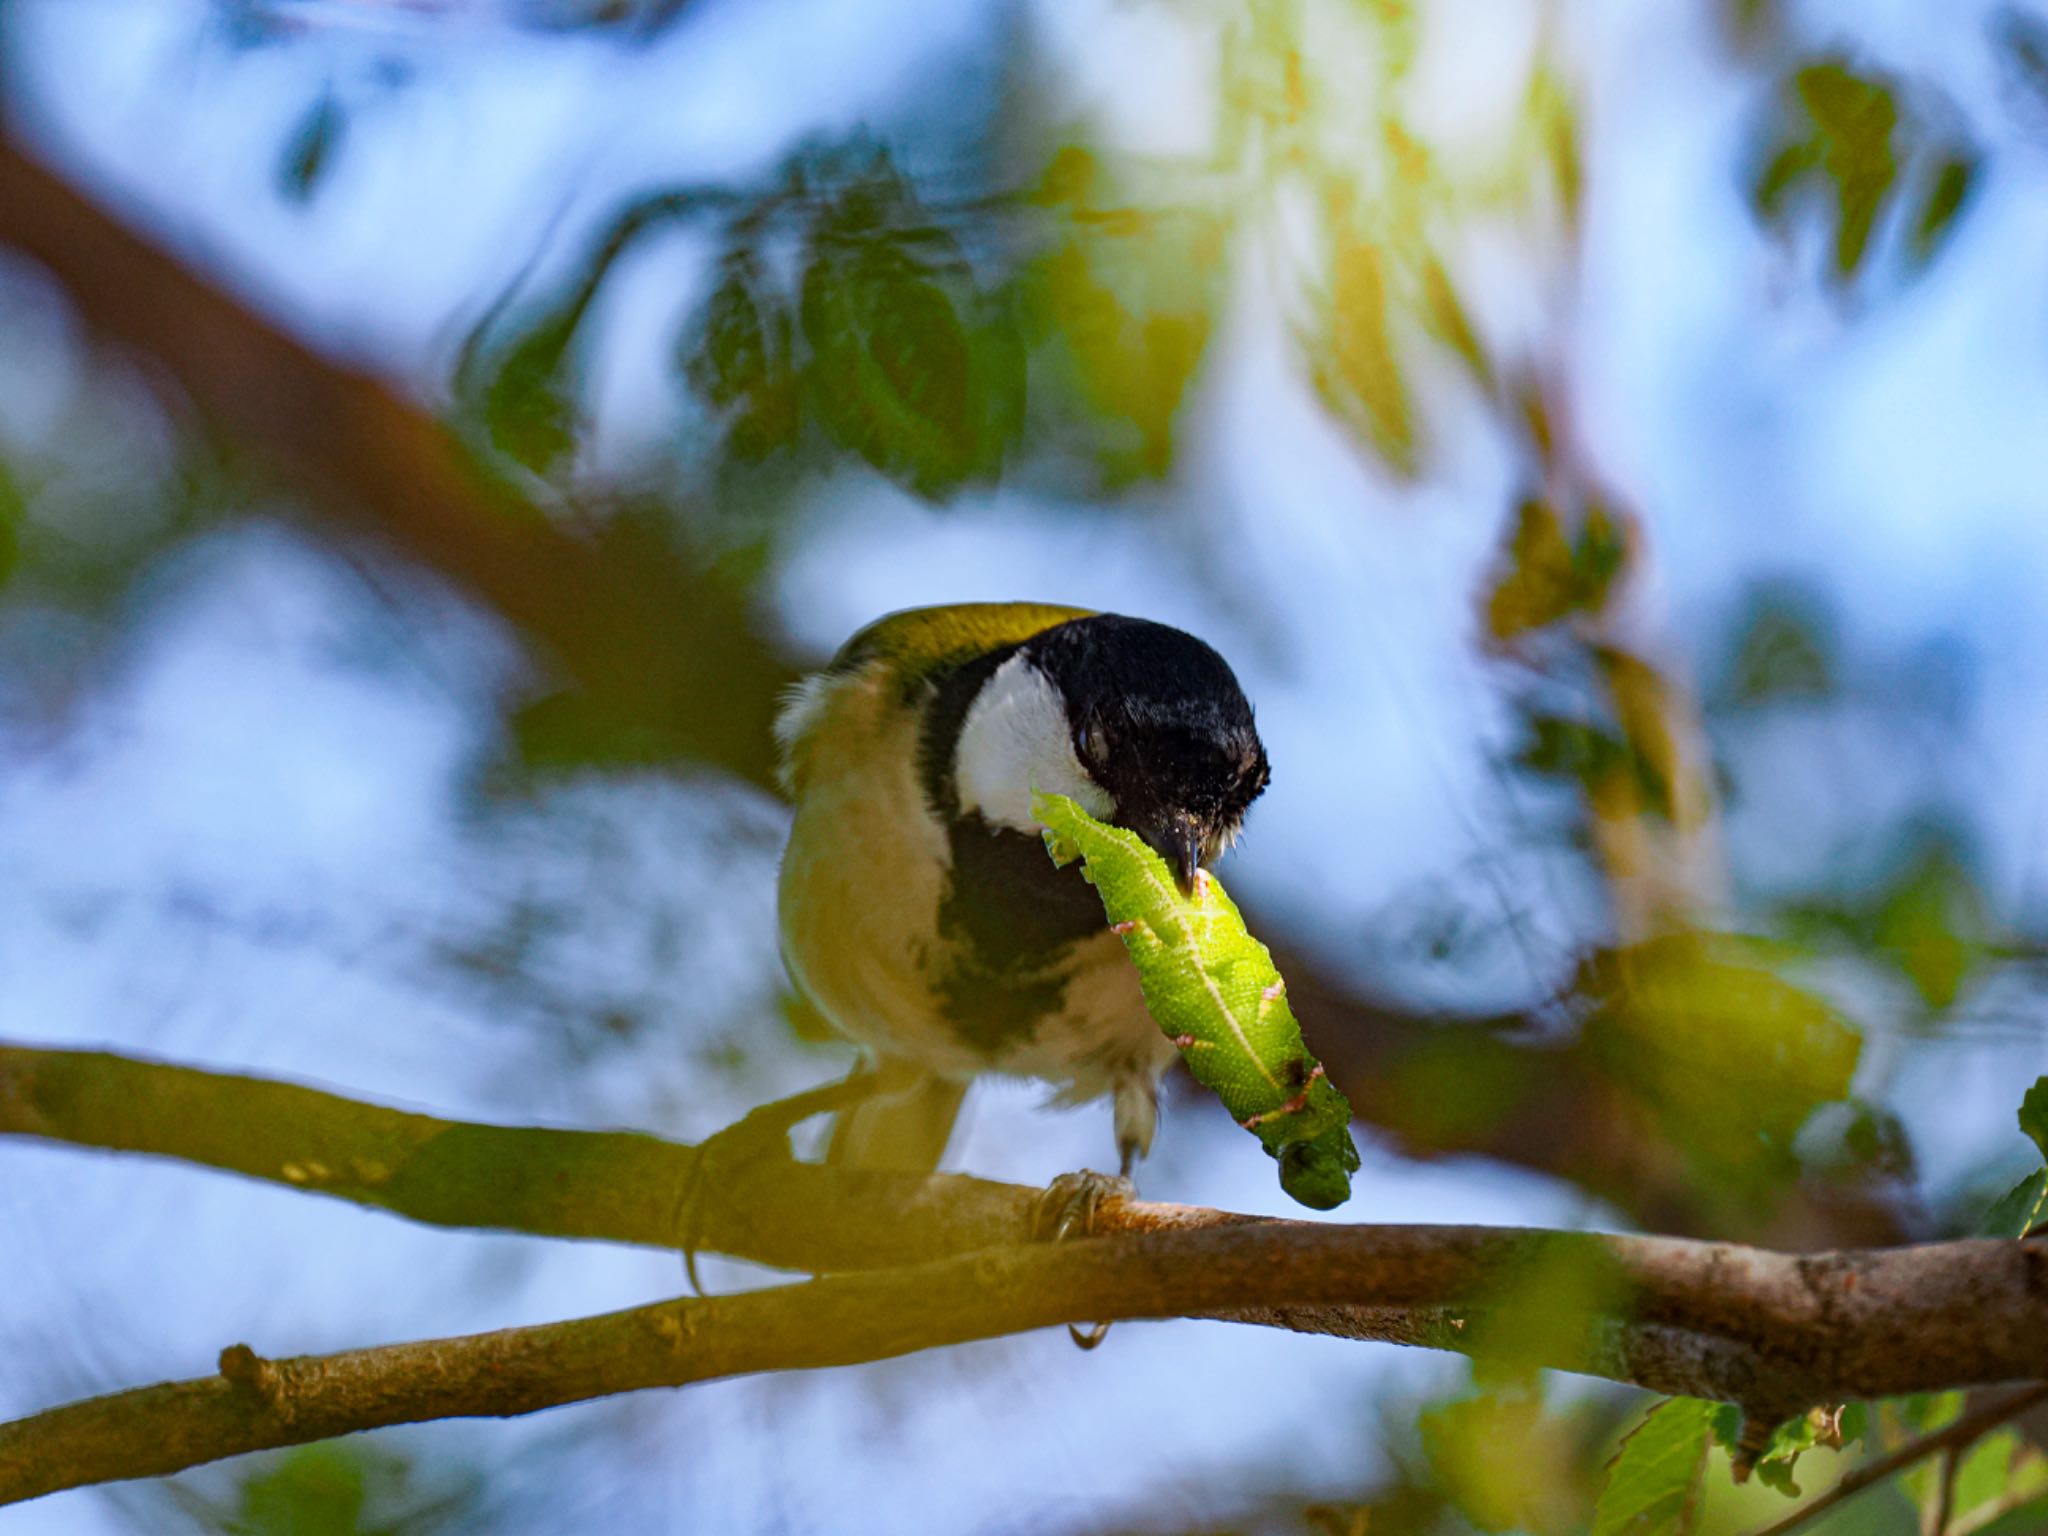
1774, 1332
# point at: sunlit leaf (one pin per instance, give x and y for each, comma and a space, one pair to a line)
1123, 304
1503, 1461
1855, 118
1993, 1474
1553, 1304
1399, 25
2034, 1114
2019, 1209
1352, 357
1449, 322
1998, 1472
1554, 119
1726, 1056
1653, 1482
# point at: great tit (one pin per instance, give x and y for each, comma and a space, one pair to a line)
919, 911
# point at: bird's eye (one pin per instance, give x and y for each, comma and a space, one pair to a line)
1093, 744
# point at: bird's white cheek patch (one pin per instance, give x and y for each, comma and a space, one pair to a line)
1015, 741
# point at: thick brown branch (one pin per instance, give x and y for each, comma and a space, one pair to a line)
1769, 1330
637, 627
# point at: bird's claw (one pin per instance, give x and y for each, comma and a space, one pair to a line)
761, 1132
742, 1142
1066, 1210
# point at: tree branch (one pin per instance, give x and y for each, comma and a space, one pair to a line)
615, 1186
1775, 1332
635, 626
1767, 1330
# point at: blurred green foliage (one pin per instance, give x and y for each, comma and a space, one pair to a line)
1845, 133
310, 151
1785, 650
2025, 1205
353, 1487
1728, 1056
1922, 914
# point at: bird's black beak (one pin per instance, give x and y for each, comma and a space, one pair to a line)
1179, 841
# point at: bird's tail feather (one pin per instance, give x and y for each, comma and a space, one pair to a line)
902, 1127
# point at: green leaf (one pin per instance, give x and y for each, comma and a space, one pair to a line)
1785, 650
311, 149
2034, 1114
1856, 118
1121, 309
912, 367
1212, 988
1947, 190
1932, 924
13, 510
528, 408
1653, 1482
1451, 323
2019, 1208
1352, 358
1726, 1056
1541, 575
1787, 166
1834, 1428
737, 356
1502, 1462
2000, 1468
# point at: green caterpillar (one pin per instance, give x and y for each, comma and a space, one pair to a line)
1212, 988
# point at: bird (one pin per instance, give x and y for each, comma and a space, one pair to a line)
919, 912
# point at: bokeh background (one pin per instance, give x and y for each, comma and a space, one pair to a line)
1607, 439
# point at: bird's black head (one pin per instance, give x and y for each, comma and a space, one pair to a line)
1159, 722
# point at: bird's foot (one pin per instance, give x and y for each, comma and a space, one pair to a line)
1067, 1210
762, 1132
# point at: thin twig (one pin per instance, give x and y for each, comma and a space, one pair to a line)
1971, 1426
1945, 1490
